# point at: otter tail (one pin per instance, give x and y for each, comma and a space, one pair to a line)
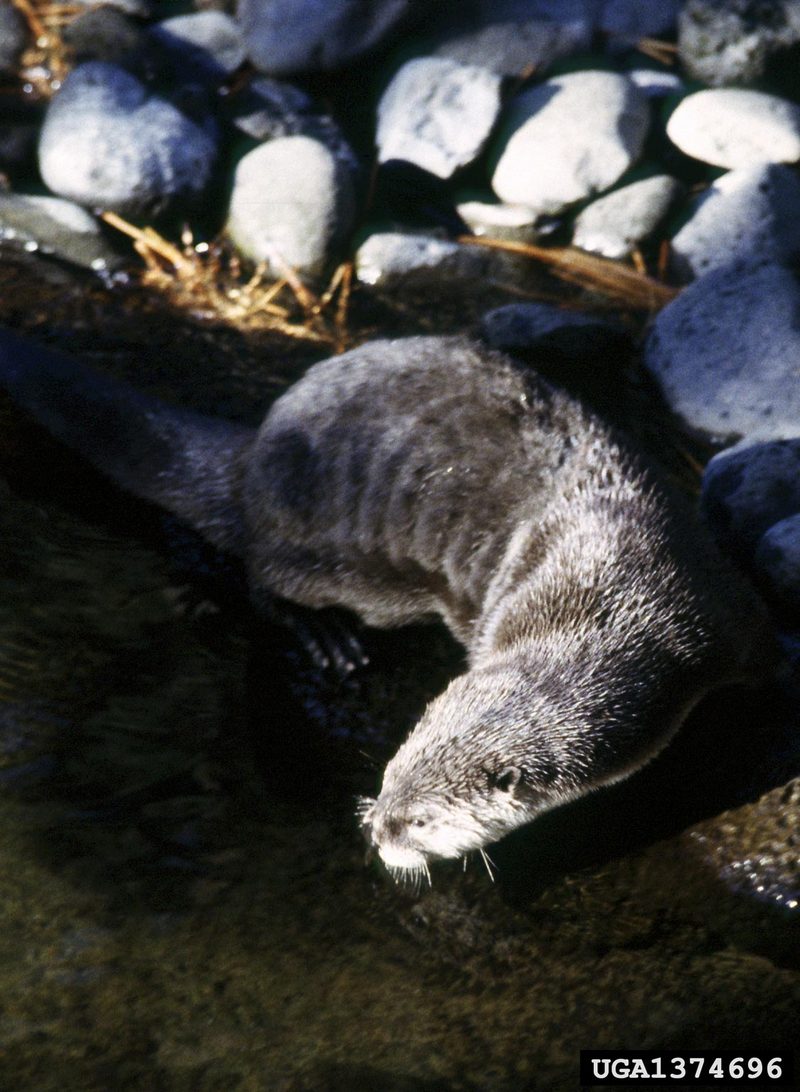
184, 462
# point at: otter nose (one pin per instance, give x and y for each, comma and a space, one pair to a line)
381, 826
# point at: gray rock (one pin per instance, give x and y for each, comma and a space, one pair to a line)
731, 41
292, 204
627, 21
14, 35
731, 127
777, 561
569, 137
437, 114
396, 260
613, 225
508, 36
284, 36
53, 226
108, 34
514, 223
108, 142
205, 44
523, 325
726, 352
749, 489
753, 210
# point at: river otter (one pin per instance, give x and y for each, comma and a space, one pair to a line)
432, 477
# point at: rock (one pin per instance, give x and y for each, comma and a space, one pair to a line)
730, 127
654, 82
749, 489
732, 41
522, 325
14, 36
396, 260
569, 137
508, 37
628, 21
726, 352
108, 142
613, 225
437, 114
55, 227
514, 223
752, 210
292, 204
206, 44
777, 561
284, 36
108, 34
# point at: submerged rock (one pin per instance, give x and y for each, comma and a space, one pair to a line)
108, 142
394, 259
569, 137
54, 226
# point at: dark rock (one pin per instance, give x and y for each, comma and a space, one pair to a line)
748, 490
14, 36
56, 227
108, 34
777, 561
207, 45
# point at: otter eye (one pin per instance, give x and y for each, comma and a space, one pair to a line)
418, 822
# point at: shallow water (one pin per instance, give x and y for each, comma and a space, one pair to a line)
184, 907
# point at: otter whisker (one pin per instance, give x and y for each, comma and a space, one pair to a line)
487, 860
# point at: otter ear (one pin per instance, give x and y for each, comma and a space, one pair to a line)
507, 779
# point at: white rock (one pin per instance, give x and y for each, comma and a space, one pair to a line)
654, 83
726, 352
392, 258
731, 127
752, 210
292, 203
614, 224
569, 137
516, 223
437, 114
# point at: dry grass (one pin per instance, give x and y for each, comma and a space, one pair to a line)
663, 52
620, 284
47, 61
209, 282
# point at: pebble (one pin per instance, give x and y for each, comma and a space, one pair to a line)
726, 352
749, 489
731, 127
568, 138
206, 44
613, 225
654, 82
752, 210
398, 260
514, 223
57, 227
777, 561
14, 36
284, 36
292, 204
732, 41
437, 114
108, 142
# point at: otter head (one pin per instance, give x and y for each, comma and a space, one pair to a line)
478, 764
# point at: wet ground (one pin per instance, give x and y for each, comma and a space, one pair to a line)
184, 899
